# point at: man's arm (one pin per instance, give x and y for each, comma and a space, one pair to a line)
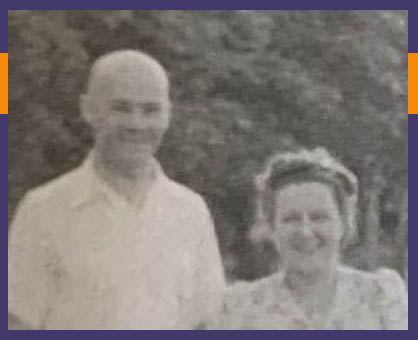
210, 279
27, 276
14, 323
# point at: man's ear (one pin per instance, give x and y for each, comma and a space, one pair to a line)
87, 109
169, 110
170, 107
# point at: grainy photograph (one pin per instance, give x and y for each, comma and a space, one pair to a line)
218, 169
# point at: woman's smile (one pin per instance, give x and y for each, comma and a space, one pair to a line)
307, 245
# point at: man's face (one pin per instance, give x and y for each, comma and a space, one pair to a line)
131, 115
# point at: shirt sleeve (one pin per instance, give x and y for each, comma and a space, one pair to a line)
28, 282
209, 288
392, 300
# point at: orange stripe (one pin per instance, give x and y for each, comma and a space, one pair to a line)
413, 83
4, 83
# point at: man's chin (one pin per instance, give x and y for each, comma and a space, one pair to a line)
137, 157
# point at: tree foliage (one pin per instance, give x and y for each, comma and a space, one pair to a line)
245, 84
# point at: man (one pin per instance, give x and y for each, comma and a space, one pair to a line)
115, 244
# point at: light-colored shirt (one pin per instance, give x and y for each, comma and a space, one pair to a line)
363, 300
80, 257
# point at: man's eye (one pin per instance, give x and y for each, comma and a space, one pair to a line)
121, 107
319, 216
150, 108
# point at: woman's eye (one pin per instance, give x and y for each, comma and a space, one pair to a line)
291, 218
319, 216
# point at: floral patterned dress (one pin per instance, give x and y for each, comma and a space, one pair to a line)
362, 300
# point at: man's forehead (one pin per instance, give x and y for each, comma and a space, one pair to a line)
128, 68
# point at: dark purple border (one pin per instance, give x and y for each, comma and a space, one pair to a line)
188, 4
216, 4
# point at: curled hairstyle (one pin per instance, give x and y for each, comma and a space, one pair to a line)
315, 165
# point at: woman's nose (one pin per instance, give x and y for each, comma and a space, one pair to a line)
303, 239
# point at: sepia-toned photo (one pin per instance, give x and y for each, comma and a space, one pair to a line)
208, 170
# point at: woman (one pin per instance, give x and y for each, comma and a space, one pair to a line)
308, 200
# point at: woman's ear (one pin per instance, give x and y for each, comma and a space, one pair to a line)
344, 236
345, 240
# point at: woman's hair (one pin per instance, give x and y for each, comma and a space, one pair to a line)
315, 165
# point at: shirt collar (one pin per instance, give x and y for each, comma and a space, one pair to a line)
91, 187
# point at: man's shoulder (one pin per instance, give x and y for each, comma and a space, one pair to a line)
184, 195
62, 188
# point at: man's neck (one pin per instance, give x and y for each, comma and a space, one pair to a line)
130, 181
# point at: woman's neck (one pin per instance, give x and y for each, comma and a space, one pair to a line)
314, 290
300, 280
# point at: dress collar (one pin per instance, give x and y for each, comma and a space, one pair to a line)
341, 304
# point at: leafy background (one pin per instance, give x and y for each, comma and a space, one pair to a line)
245, 84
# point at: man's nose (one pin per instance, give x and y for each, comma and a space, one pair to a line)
305, 227
140, 119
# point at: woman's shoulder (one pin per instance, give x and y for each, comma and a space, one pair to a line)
256, 292
383, 290
260, 304
244, 302
383, 280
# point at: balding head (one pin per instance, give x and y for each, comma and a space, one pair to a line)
127, 64
127, 105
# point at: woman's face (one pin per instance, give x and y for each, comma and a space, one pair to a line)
308, 225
